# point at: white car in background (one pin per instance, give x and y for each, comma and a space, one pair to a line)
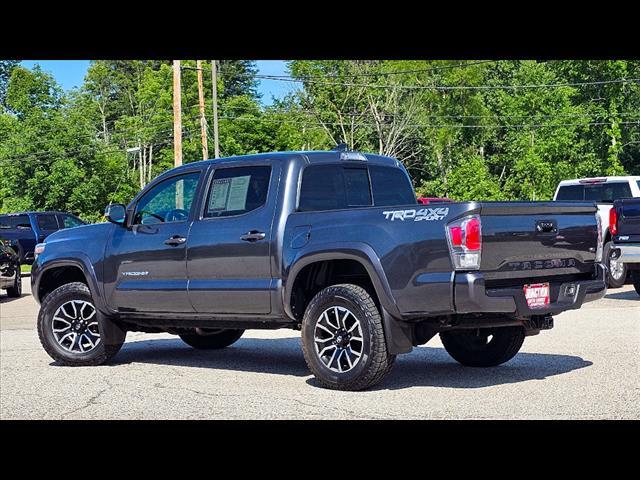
603, 191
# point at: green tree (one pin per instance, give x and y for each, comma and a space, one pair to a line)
6, 67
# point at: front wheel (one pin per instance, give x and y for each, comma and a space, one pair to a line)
213, 339
616, 270
343, 339
483, 347
69, 330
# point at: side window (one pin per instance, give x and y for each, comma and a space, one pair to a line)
15, 221
47, 222
334, 187
237, 190
169, 201
390, 187
69, 222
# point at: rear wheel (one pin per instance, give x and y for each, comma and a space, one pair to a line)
15, 291
212, 339
343, 339
483, 347
616, 270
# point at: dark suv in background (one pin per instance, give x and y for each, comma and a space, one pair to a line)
26, 229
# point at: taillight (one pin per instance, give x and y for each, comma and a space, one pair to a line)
465, 242
613, 221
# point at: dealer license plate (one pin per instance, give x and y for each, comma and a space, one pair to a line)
537, 295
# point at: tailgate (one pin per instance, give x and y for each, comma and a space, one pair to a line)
628, 220
538, 240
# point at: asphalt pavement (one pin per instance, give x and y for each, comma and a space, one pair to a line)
587, 367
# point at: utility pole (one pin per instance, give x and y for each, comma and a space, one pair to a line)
177, 115
177, 129
214, 75
203, 120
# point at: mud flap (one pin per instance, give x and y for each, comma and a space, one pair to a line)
110, 332
398, 334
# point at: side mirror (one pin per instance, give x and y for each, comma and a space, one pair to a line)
116, 213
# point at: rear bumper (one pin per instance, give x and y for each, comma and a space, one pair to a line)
629, 253
471, 295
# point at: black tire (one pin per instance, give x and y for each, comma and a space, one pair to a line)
374, 361
470, 347
16, 290
212, 341
635, 278
618, 280
98, 355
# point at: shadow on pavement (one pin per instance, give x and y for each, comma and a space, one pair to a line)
262, 355
628, 295
433, 367
425, 366
4, 298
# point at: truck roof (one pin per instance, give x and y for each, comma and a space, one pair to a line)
31, 212
311, 156
603, 179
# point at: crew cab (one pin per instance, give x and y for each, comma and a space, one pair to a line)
604, 191
330, 243
26, 229
624, 222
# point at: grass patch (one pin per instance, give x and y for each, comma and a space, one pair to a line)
25, 268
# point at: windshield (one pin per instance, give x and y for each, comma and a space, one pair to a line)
599, 193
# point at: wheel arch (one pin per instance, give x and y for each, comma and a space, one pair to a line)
361, 254
398, 334
63, 271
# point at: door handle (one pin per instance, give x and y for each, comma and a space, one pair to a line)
253, 236
175, 241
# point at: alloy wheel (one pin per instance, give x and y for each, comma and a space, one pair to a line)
616, 267
75, 327
338, 339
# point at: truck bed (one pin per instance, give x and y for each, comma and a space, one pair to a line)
522, 242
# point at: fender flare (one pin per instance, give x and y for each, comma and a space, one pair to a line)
111, 333
397, 333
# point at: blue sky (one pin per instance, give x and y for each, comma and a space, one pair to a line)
70, 73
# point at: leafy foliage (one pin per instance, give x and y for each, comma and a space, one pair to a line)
492, 134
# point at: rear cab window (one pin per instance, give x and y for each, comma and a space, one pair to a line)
598, 192
334, 187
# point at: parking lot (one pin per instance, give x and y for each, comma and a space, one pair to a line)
587, 367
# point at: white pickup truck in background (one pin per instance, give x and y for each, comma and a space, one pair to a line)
603, 191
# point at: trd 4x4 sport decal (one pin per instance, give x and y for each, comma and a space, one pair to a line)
429, 214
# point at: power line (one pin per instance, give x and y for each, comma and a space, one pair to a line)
320, 124
383, 74
450, 87
54, 154
447, 126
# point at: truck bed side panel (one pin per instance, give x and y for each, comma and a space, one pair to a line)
413, 253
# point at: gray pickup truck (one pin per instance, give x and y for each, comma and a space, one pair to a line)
330, 243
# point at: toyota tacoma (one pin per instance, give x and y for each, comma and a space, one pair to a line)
330, 243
